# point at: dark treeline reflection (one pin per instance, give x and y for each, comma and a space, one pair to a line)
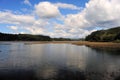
17, 75
110, 51
62, 74
31, 75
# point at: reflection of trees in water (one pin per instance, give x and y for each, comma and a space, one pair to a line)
111, 51
31, 75
102, 76
104, 64
118, 78
70, 75
17, 75
62, 74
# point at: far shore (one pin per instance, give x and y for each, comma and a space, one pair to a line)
111, 45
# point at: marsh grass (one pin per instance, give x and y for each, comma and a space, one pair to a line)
104, 45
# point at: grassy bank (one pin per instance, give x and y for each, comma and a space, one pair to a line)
90, 44
99, 44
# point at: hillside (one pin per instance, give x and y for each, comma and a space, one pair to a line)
23, 37
112, 34
30, 37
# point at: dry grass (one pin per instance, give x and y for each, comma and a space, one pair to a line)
90, 44
99, 44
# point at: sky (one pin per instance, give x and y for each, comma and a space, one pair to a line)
58, 18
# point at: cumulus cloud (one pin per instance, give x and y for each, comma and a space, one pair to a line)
103, 12
67, 6
27, 2
62, 30
11, 18
23, 22
13, 27
51, 10
96, 14
46, 10
36, 30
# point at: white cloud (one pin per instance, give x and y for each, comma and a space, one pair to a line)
68, 32
46, 10
104, 13
51, 10
8, 17
67, 6
13, 27
27, 2
76, 21
36, 30
24, 22
96, 14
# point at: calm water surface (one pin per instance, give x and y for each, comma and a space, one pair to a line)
57, 62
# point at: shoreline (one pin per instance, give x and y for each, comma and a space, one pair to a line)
100, 45
110, 45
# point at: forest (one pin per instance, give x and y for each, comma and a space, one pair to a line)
23, 37
109, 35
30, 37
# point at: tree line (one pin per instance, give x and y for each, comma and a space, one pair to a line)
23, 37
112, 34
29, 37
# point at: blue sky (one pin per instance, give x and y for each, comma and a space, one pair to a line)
18, 5
58, 18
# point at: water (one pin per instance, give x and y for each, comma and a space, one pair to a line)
57, 62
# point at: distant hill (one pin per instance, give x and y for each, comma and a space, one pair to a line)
30, 37
112, 34
23, 37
